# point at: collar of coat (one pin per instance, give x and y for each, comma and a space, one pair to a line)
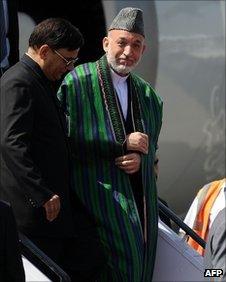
112, 103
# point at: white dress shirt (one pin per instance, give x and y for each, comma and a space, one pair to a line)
121, 89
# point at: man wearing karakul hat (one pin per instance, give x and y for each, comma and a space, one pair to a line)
114, 123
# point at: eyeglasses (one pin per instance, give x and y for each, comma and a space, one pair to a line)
68, 62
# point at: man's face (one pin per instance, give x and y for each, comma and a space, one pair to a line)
58, 63
123, 50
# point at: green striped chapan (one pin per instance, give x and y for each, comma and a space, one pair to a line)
96, 132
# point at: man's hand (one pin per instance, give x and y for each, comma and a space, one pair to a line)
130, 163
137, 141
52, 208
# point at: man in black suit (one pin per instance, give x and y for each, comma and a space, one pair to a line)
11, 267
215, 253
35, 171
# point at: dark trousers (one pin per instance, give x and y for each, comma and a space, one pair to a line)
82, 257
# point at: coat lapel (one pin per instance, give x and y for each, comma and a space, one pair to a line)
112, 103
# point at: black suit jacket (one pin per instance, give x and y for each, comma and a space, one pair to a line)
35, 153
11, 267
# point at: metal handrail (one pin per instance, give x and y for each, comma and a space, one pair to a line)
170, 214
42, 261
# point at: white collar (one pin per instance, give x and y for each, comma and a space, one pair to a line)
118, 79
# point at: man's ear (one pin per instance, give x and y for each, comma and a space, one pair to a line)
43, 51
144, 48
105, 43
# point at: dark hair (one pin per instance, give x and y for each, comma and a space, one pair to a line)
57, 33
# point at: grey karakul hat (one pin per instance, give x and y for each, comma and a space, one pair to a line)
130, 19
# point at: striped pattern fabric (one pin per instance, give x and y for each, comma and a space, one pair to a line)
96, 132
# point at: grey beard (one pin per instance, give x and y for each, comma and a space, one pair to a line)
120, 69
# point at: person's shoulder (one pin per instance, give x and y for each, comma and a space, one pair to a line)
142, 83
9, 73
82, 71
219, 183
146, 88
136, 78
17, 73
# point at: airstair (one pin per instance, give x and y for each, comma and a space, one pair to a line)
175, 259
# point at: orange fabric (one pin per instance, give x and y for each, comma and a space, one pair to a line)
201, 225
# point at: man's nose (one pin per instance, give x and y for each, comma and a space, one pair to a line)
127, 50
